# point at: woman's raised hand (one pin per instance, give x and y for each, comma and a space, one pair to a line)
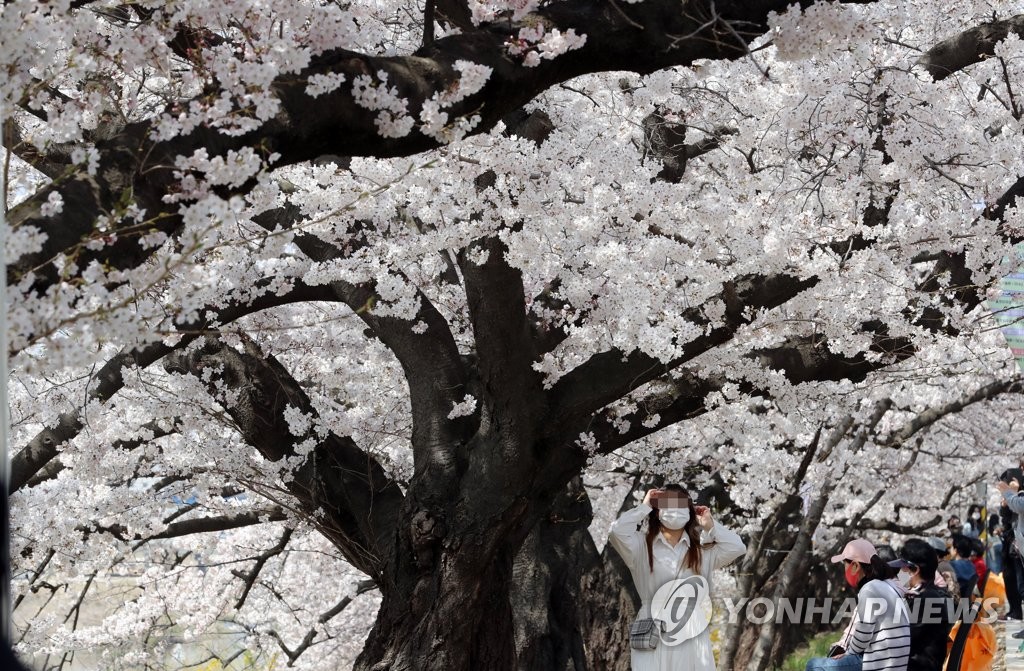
647, 498
704, 517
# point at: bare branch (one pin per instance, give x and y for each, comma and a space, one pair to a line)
199, 525
969, 47
249, 579
868, 524
344, 491
323, 618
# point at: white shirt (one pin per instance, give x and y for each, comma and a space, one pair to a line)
630, 541
669, 558
629, 538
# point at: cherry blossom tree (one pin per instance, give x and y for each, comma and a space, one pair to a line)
896, 481
366, 289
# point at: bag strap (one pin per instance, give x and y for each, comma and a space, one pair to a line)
682, 561
648, 574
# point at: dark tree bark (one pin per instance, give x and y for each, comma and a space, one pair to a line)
484, 561
491, 581
44, 446
969, 47
334, 480
572, 604
640, 37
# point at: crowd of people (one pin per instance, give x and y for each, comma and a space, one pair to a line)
918, 608
916, 613
980, 558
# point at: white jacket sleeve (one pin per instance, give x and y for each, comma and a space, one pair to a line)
728, 546
625, 535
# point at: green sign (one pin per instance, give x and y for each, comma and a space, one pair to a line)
1007, 307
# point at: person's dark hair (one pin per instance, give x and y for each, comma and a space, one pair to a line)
1013, 474
692, 531
977, 547
993, 522
921, 555
953, 517
963, 546
878, 569
886, 552
975, 523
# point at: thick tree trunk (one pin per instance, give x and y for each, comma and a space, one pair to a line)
572, 604
485, 561
558, 605
455, 617
609, 608
547, 596
611, 603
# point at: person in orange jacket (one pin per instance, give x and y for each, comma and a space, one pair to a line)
981, 645
980, 650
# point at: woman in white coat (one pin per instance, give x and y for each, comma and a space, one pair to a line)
663, 538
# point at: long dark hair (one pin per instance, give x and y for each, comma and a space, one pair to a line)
975, 523
692, 531
878, 569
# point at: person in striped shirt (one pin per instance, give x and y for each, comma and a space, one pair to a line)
878, 638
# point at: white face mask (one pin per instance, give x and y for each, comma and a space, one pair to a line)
904, 578
674, 518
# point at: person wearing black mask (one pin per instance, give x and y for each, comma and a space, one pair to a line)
931, 608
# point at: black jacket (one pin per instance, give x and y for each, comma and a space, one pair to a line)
931, 611
1007, 519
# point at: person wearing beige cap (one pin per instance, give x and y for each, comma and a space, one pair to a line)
878, 638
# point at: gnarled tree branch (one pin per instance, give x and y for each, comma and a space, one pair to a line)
343, 489
639, 37
969, 47
109, 379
